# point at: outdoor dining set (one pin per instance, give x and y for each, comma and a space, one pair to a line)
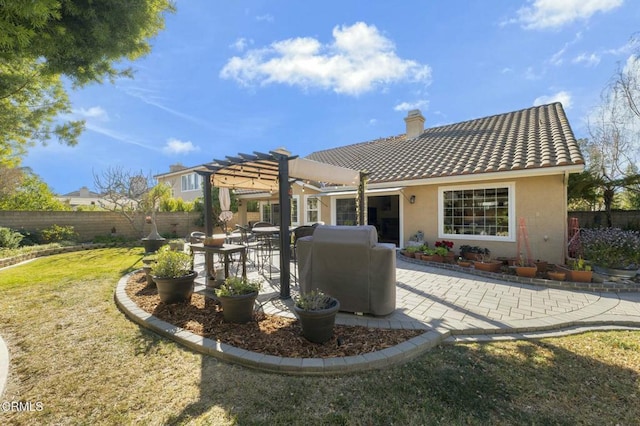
347, 262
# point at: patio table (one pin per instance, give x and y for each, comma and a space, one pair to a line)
226, 250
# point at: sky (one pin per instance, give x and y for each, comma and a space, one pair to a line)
236, 77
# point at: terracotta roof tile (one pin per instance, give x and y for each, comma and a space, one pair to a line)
531, 138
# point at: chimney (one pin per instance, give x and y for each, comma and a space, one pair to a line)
176, 167
415, 123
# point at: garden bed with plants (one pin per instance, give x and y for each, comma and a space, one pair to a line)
268, 334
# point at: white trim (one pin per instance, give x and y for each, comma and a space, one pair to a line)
306, 220
460, 179
511, 209
378, 191
296, 220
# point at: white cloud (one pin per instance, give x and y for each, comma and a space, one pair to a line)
93, 112
408, 106
241, 44
589, 60
543, 14
562, 97
175, 146
506, 70
373, 122
359, 60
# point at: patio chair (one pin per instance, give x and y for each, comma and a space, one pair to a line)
266, 243
348, 263
196, 237
248, 240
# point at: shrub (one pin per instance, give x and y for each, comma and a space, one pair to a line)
109, 239
611, 247
29, 238
236, 286
57, 233
171, 264
9, 238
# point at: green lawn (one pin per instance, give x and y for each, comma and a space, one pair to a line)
73, 351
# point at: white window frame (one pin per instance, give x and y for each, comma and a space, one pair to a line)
295, 199
197, 182
511, 211
334, 208
307, 209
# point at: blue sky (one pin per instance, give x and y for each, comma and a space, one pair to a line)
230, 77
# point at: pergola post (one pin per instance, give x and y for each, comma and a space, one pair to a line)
208, 218
285, 221
362, 199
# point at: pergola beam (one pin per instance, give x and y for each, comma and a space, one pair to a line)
265, 171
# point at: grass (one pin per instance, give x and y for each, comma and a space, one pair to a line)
72, 350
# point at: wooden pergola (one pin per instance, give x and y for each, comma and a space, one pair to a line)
274, 172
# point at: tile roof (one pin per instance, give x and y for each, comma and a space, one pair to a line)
532, 138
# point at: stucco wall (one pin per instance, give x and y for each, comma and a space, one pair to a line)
540, 201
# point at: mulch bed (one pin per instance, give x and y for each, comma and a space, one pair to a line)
268, 334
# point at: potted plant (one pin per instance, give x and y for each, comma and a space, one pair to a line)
472, 252
176, 244
434, 254
484, 263
317, 313
448, 247
411, 251
580, 271
525, 269
463, 263
237, 296
557, 275
612, 251
174, 276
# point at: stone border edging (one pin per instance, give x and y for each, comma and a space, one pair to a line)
10, 261
605, 286
394, 355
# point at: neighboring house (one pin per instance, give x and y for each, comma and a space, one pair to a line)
487, 182
82, 197
185, 183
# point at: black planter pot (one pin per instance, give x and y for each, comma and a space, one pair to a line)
152, 245
175, 290
238, 309
317, 326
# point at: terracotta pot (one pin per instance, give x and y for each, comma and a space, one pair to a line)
491, 266
464, 263
556, 275
581, 276
433, 258
526, 271
542, 266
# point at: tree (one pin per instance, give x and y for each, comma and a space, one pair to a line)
125, 192
132, 194
43, 40
611, 151
30, 193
